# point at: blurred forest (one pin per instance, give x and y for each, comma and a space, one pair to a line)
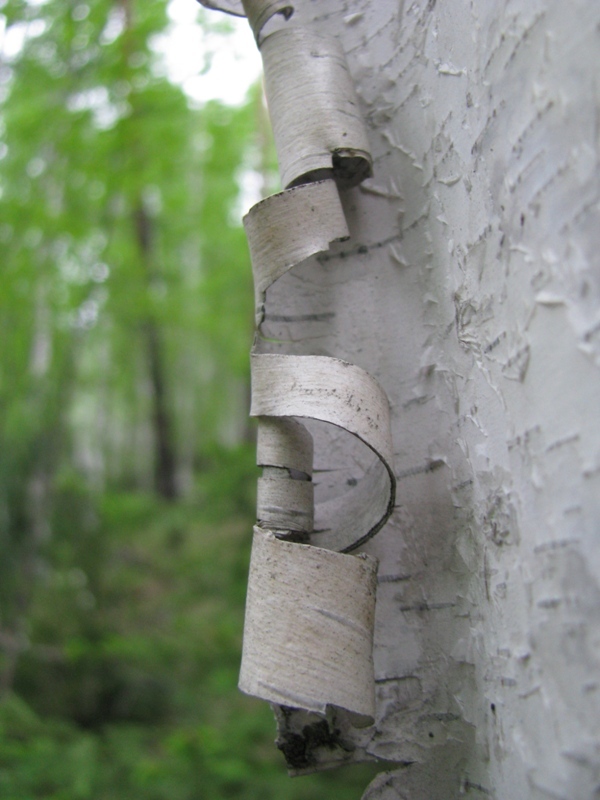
126, 457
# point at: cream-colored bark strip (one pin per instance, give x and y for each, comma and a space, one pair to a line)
287, 228
284, 443
310, 608
316, 119
285, 504
234, 7
333, 391
259, 13
309, 627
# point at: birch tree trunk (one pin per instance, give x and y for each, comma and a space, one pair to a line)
469, 289
476, 306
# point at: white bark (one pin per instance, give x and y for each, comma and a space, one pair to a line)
308, 642
476, 306
470, 290
313, 108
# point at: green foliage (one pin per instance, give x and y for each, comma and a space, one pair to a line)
129, 690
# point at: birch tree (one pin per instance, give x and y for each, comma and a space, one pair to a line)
469, 289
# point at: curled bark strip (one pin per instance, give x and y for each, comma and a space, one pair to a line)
285, 497
259, 12
234, 7
289, 227
284, 443
313, 107
309, 627
308, 634
333, 391
285, 504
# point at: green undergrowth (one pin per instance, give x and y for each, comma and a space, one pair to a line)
126, 684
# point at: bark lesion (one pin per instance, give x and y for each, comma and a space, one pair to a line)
311, 742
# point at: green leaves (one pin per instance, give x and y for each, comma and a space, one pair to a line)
94, 135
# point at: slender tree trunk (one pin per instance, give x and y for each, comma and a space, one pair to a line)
165, 465
165, 462
29, 490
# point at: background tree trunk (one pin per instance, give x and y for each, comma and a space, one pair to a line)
165, 462
470, 290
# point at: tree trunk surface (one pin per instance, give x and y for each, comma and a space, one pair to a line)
470, 290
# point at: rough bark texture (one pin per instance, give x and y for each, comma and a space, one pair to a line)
470, 289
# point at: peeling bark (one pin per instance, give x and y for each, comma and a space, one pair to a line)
470, 289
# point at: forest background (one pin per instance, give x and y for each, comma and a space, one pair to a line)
126, 457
